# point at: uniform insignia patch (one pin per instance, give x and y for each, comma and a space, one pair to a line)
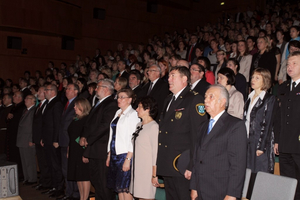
200, 109
178, 115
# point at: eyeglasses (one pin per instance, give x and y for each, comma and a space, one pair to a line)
101, 86
122, 97
195, 70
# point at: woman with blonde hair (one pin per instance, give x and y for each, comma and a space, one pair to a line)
264, 58
78, 168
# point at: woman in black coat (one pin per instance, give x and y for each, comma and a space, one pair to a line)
258, 116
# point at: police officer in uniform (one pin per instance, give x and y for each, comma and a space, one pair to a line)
180, 120
287, 135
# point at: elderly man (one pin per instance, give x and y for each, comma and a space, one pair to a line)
156, 88
220, 151
95, 137
25, 142
179, 122
198, 82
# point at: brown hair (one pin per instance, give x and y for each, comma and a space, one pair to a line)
129, 93
266, 75
83, 105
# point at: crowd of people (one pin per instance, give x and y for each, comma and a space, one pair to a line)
196, 109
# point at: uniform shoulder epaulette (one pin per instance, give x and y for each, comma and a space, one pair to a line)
195, 93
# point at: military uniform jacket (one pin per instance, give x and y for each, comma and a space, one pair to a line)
287, 133
178, 129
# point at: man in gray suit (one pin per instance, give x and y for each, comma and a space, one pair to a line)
220, 151
24, 142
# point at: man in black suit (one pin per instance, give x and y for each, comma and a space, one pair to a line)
51, 120
156, 88
287, 132
13, 119
66, 118
182, 114
220, 152
190, 53
95, 138
134, 82
24, 89
122, 71
198, 81
37, 129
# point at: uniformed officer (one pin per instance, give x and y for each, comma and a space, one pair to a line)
182, 115
287, 134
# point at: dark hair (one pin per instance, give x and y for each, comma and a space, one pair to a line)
183, 71
229, 74
149, 103
35, 87
294, 43
295, 27
83, 82
235, 62
200, 67
76, 87
137, 74
206, 61
252, 38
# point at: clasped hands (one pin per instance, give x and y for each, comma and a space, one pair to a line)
83, 142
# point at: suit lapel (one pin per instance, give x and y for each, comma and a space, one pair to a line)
214, 131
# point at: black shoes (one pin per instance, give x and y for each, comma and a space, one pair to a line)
56, 194
49, 191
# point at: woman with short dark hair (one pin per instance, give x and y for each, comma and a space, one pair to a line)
226, 77
145, 141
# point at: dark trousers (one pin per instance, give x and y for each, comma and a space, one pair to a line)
289, 164
177, 188
54, 162
45, 175
98, 176
71, 186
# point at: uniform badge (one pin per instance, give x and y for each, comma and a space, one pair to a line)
200, 109
178, 115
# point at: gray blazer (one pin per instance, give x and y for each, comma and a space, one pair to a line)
24, 135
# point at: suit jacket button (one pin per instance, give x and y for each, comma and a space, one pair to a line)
288, 107
171, 120
159, 131
159, 144
166, 146
287, 122
289, 100
200, 161
287, 115
166, 132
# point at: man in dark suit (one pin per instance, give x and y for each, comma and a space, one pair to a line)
220, 152
37, 129
134, 82
24, 89
51, 120
13, 119
7, 106
63, 141
122, 71
181, 117
95, 138
198, 81
190, 53
287, 131
156, 88
25, 143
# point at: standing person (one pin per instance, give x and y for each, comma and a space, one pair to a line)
145, 141
37, 129
119, 145
13, 118
95, 137
287, 131
209, 75
180, 120
78, 167
198, 81
51, 121
226, 77
220, 152
244, 59
221, 58
260, 108
190, 53
25, 143
66, 118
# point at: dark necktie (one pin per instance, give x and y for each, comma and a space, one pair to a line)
150, 88
171, 104
46, 103
293, 86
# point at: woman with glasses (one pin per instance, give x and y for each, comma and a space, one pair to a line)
120, 147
